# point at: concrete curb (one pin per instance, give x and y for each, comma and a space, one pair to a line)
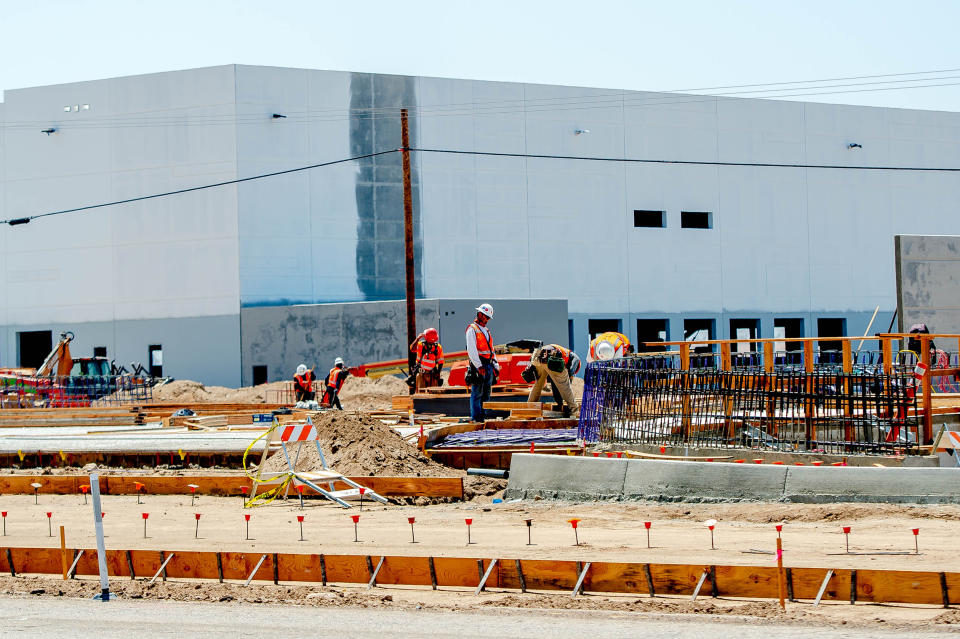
593, 479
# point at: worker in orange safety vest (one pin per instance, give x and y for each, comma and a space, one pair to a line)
429, 365
303, 383
484, 368
335, 378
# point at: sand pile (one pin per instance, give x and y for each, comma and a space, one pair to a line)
363, 393
358, 445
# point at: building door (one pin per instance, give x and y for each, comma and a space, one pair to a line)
155, 360
33, 347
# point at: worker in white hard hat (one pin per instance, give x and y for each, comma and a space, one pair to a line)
484, 368
335, 379
303, 383
609, 345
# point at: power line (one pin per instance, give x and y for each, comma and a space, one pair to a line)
694, 162
24, 220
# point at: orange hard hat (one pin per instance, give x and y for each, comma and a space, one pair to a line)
431, 335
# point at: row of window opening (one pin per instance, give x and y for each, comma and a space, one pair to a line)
658, 219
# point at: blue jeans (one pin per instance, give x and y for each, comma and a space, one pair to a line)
480, 393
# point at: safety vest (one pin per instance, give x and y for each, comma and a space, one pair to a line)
429, 356
334, 377
484, 345
305, 381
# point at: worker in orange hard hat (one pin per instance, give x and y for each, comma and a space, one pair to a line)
426, 372
303, 383
609, 345
484, 368
335, 379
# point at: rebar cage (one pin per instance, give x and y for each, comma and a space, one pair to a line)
651, 400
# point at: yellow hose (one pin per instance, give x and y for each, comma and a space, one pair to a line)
266, 497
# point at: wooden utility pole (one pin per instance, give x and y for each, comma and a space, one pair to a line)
408, 241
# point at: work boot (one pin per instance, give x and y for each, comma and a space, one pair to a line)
566, 411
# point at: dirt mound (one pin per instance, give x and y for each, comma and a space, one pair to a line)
362, 393
358, 445
185, 391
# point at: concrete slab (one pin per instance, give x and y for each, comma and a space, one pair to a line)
887, 485
664, 480
567, 478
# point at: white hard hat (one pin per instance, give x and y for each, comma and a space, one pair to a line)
605, 350
301, 369
486, 309
338, 361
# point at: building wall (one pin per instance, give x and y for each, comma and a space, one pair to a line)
928, 282
161, 258
205, 349
282, 337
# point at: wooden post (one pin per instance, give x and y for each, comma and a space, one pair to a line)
926, 382
808, 406
848, 432
726, 365
771, 407
63, 553
685, 397
886, 346
408, 242
780, 579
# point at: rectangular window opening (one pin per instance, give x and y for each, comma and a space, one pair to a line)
597, 326
744, 329
155, 360
33, 347
650, 332
696, 220
831, 327
259, 375
99, 351
650, 219
695, 330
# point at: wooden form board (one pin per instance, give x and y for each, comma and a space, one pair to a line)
873, 586
223, 485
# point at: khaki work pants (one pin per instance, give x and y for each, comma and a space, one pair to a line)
561, 382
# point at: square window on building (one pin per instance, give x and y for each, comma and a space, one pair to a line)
99, 351
696, 220
650, 219
650, 332
597, 326
787, 328
698, 330
831, 327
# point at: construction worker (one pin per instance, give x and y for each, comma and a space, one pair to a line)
429, 359
303, 383
608, 346
558, 364
484, 367
338, 374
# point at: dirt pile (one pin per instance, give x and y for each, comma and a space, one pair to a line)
362, 393
358, 445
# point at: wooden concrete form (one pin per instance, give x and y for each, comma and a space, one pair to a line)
221, 485
759, 582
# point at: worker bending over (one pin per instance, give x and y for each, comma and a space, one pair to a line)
429, 359
484, 367
338, 374
608, 346
558, 364
303, 383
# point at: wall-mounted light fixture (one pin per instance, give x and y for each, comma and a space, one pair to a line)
49, 131
580, 131
854, 145
277, 116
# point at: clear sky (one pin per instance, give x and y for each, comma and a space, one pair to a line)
663, 45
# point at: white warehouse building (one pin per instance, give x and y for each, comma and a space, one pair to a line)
701, 231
